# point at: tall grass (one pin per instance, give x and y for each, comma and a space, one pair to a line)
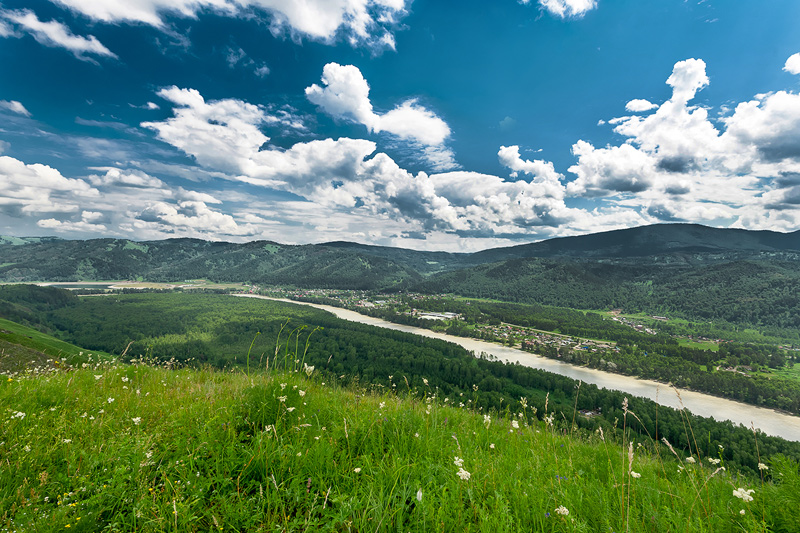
147, 448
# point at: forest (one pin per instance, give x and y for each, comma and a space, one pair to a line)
229, 333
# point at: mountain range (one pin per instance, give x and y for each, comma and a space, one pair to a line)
741, 276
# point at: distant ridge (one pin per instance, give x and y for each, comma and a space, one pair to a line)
650, 240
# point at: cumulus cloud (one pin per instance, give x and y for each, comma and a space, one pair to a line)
14, 107
792, 65
39, 188
88, 223
678, 164
362, 21
345, 95
55, 34
639, 105
567, 8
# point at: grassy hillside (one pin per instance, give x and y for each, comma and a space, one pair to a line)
148, 449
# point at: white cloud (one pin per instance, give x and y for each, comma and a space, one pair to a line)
14, 107
57, 35
678, 165
363, 21
688, 77
567, 8
221, 134
39, 188
348, 175
345, 95
88, 223
188, 217
792, 65
639, 105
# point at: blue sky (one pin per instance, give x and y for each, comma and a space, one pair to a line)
418, 124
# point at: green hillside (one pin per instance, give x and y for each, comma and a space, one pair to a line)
143, 448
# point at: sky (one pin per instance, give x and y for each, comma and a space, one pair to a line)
416, 123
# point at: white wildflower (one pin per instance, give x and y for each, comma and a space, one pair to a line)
308, 370
98, 376
137, 420
125, 379
110, 400
357, 470
282, 399
690, 460
741, 512
463, 474
515, 424
425, 381
491, 446
563, 511
419, 495
458, 461
382, 405
283, 386
290, 409
762, 466
636, 475
744, 495
713, 461
301, 393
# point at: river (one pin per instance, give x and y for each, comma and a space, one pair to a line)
769, 421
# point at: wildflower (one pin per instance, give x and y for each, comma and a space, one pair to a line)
290, 409
416, 435
491, 446
67, 441
125, 379
110, 400
419, 495
425, 381
741, 512
515, 424
18, 414
308, 370
301, 393
463, 474
137, 420
458, 461
744, 495
690, 460
382, 405
713, 461
282, 399
636, 475
283, 386
563, 511
762, 466
98, 376
357, 470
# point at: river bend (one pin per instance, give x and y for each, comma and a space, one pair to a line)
767, 420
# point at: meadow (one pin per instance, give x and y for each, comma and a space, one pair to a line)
147, 447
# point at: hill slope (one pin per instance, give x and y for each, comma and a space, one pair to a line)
197, 450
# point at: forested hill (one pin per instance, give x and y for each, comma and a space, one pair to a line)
655, 240
743, 277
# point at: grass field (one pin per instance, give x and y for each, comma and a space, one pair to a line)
141, 448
